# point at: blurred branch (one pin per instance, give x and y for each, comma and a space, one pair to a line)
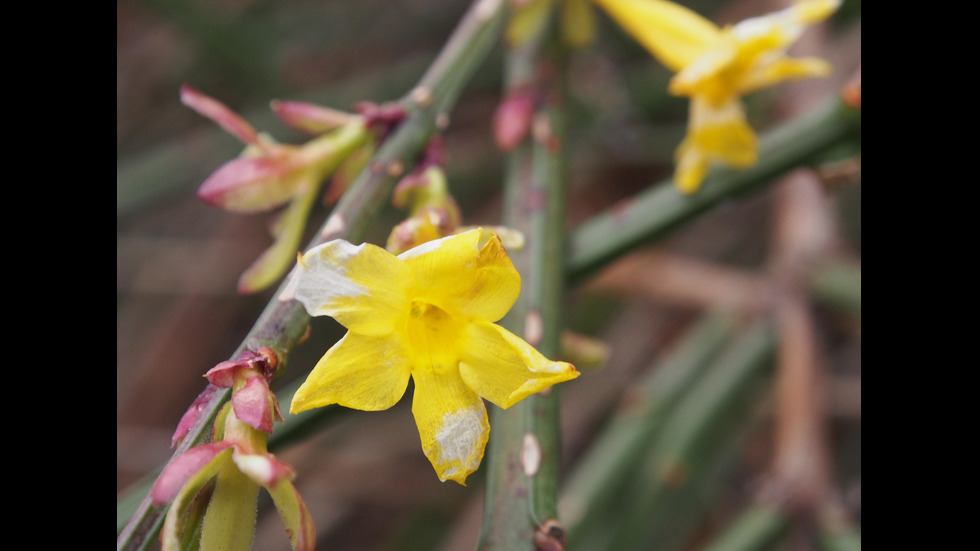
757, 529
684, 461
667, 278
610, 464
660, 209
838, 284
283, 322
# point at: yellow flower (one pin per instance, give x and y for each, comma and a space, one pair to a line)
715, 67
427, 314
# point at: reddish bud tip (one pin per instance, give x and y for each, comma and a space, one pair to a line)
512, 120
219, 113
851, 93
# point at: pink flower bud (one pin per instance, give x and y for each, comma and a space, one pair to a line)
256, 405
512, 120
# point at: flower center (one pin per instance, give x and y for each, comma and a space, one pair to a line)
432, 337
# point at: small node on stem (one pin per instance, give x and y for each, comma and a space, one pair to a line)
543, 133
533, 328
851, 92
550, 535
674, 473
395, 168
422, 96
305, 336
530, 454
442, 121
271, 358
335, 225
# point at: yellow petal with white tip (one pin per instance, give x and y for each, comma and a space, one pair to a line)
363, 287
452, 423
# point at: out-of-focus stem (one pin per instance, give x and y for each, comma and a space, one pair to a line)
757, 529
284, 321
802, 234
676, 280
657, 211
523, 451
686, 457
613, 458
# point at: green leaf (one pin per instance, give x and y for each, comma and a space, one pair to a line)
229, 524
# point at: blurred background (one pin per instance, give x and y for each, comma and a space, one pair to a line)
364, 478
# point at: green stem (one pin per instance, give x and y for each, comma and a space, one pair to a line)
688, 455
283, 322
655, 212
848, 539
838, 284
609, 466
520, 502
757, 529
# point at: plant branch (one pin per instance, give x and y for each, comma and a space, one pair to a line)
524, 449
284, 321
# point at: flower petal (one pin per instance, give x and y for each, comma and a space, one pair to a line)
781, 28
692, 168
219, 113
452, 422
309, 117
672, 33
251, 184
263, 468
463, 276
192, 468
360, 372
577, 23
715, 134
723, 133
504, 369
279, 257
701, 76
784, 68
255, 404
230, 521
363, 287
295, 516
